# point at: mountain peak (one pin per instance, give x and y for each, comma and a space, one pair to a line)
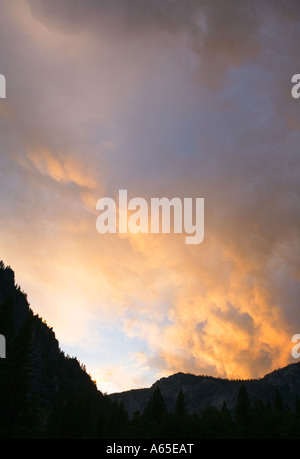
201, 391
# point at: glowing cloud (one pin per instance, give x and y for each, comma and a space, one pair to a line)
176, 98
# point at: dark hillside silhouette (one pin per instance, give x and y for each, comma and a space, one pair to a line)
47, 394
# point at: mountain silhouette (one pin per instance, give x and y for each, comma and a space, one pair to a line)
43, 392
202, 391
47, 394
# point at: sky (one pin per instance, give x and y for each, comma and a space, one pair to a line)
185, 98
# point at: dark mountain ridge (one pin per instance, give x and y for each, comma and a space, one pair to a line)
40, 387
47, 394
202, 391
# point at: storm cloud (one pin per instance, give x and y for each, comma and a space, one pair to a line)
162, 98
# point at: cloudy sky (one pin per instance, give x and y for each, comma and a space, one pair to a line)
187, 98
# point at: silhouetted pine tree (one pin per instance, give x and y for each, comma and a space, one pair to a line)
297, 406
242, 412
154, 414
180, 408
226, 430
119, 421
261, 425
155, 409
278, 414
278, 402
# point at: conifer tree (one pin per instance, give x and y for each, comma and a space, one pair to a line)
180, 408
156, 407
278, 402
242, 411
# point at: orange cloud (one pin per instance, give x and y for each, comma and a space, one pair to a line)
221, 317
63, 168
225, 307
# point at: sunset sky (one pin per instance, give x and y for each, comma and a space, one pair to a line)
187, 98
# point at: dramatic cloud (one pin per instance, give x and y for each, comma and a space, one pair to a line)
162, 98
